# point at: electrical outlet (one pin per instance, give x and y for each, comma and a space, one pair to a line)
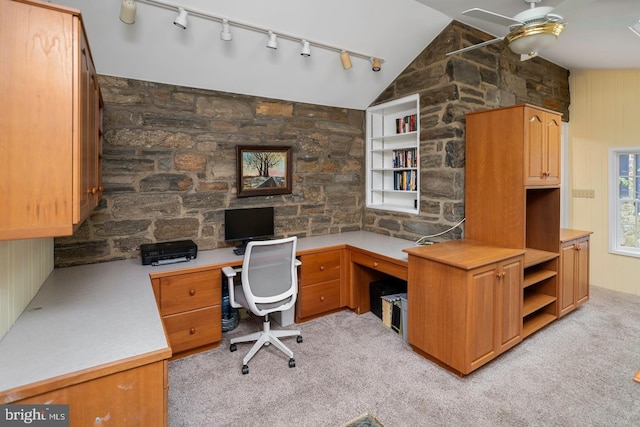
589, 194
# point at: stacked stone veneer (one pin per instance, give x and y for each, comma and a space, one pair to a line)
450, 87
169, 168
169, 162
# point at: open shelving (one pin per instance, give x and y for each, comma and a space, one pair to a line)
393, 155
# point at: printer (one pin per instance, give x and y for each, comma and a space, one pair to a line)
168, 252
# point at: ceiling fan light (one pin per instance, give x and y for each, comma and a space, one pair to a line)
531, 39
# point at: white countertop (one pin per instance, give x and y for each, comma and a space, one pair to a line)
96, 314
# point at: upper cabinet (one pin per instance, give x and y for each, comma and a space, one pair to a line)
542, 147
51, 110
393, 155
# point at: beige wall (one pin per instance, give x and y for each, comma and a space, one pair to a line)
24, 266
605, 113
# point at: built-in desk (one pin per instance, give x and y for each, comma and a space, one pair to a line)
93, 335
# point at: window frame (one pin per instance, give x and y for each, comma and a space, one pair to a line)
614, 201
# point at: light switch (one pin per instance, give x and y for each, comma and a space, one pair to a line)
590, 194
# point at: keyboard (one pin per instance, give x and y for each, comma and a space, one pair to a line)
239, 250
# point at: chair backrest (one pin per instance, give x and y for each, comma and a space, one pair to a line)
269, 275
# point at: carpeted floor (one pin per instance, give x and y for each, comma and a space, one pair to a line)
578, 371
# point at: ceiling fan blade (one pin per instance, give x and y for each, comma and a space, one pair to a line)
565, 8
496, 18
475, 46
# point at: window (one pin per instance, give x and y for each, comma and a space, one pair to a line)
624, 201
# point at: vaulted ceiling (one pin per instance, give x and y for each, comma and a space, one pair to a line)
397, 31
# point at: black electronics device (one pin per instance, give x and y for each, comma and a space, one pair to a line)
168, 252
244, 225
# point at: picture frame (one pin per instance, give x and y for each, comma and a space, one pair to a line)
263, 170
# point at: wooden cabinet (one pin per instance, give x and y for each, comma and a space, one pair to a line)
131, 397
512, 197
464, 302
542, 147
574, 270
50, 109
319, 289
393, 155
190, 306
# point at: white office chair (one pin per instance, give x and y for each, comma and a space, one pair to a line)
269, 284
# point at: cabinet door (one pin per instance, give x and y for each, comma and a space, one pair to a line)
582, 271
481, 336
534, 147
542, 148
509, 313
567, 277
553, 148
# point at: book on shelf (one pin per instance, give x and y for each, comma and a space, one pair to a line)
405, 158
406, 180
406, 123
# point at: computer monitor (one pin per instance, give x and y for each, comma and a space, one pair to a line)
244, 225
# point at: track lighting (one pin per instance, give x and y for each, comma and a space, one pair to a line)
273, 40
181, 19
128, 11
346, 60
128, 16
225, 34
306, 50
375, 64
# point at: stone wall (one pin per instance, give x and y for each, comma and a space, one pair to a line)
449, 87
169, 168
169, 152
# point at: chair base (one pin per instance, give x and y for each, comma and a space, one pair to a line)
265, 337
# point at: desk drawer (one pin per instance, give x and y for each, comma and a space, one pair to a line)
189, 291
318, 298
320, 267
194, 328
379, 265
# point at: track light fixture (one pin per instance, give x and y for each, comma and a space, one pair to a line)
181, 19
306, 50
128, 11
375, 64
225, 34
345, 59
128, 15
273, 40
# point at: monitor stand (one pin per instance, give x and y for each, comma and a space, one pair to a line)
241, 248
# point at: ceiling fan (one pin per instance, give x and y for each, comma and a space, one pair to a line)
530, 31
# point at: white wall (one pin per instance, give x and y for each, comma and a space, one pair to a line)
24, 266
604, 113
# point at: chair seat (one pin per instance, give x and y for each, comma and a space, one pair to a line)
267, 307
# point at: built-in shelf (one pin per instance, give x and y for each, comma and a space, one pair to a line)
535, 322
393, 155
536, 256
538, 276
534, 302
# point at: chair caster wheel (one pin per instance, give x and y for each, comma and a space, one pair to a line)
292, 363
299, 339
245, 369
233, 347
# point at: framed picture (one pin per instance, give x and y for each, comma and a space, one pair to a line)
263, 170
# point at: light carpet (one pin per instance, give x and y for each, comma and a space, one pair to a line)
578, 371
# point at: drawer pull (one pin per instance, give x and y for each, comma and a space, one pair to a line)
375, 264
192, 331
192, 292
322, 298
322, 268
